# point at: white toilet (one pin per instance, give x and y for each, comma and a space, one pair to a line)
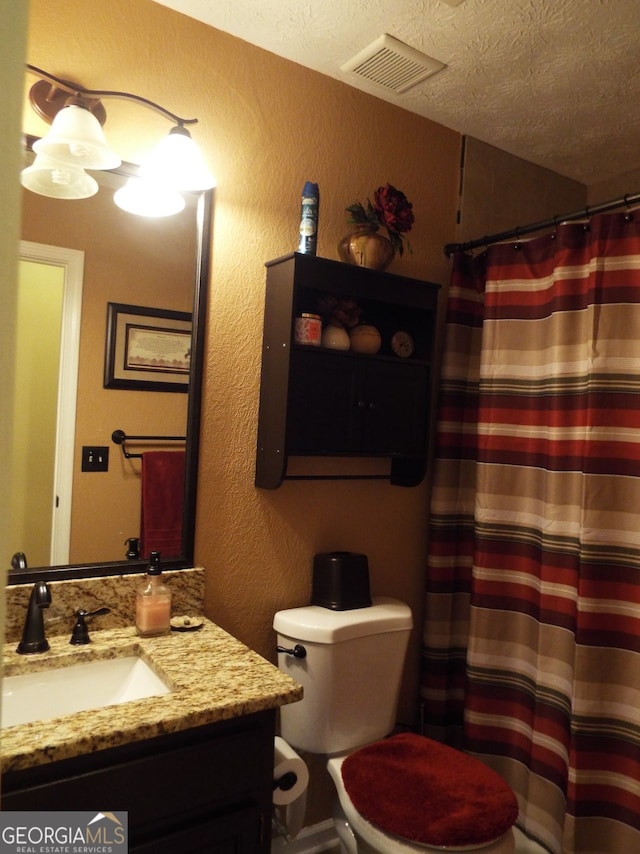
350, 665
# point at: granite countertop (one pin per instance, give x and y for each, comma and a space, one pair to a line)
213, 677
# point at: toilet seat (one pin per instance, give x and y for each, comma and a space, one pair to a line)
384, 843
391, 757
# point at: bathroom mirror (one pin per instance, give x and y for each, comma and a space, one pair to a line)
160, 266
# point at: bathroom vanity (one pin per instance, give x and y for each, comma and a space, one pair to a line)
193, 767
203, 790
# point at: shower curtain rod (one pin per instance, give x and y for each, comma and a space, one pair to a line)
627, 200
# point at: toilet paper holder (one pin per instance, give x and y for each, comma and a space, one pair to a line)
290, 781
286, 782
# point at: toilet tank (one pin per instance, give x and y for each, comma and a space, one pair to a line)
351, 674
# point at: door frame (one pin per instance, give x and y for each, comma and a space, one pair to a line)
72, 262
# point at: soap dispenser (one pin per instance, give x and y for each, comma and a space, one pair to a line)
153, 602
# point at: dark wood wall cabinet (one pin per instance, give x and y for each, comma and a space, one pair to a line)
316, 401
202, 790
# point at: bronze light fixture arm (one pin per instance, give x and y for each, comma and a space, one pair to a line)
74, 89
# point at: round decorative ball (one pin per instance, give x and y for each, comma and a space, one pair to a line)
335, 337
365, 338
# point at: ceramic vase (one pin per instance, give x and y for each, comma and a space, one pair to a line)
365, 247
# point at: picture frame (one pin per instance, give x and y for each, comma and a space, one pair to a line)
147, 349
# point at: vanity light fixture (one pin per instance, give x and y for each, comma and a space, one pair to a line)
76, 138
147, 198
76, 142
58, 180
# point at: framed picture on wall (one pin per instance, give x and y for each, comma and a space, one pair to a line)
147, 349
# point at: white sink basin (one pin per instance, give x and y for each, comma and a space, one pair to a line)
61, 691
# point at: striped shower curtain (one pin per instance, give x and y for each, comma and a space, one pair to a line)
531, 654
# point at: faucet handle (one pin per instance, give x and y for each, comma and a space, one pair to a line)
80, 633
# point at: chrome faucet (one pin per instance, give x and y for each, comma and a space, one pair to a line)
33, 639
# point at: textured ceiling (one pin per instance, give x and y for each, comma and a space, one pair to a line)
556, 82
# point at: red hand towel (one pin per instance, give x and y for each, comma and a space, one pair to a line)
162, 499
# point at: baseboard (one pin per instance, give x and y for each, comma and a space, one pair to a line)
310, 840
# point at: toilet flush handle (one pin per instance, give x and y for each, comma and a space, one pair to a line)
297, 652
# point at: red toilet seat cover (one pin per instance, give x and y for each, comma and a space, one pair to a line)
426, 792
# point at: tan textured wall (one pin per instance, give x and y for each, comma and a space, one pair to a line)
500, 191
266, 126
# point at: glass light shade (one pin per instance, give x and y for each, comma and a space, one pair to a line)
146, 198
49, 177
77, 138
176, 161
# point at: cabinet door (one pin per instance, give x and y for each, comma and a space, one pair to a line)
396, 396
207, 789
325, 407
237, 832
345, 404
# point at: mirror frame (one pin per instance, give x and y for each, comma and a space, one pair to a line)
204, 223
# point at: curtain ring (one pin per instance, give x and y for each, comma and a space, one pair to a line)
516, 245
628, 217
587, 225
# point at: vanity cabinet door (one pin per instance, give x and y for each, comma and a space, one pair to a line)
211, 785
234, 833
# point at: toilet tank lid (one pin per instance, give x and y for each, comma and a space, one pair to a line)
313, 623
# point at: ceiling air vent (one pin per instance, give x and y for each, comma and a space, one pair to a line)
392, 64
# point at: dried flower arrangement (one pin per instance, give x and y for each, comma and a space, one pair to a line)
391, 210
339, 311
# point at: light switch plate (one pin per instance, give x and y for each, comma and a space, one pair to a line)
95, 458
